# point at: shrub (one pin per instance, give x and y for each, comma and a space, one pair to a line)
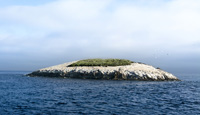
101, 62
157, 68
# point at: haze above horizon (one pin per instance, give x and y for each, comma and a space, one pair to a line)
39, 33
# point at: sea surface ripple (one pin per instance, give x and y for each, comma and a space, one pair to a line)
20, 94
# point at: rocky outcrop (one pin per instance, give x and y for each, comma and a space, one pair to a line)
135, 71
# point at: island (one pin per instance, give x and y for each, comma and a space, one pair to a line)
106, 69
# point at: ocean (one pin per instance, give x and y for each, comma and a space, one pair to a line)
22, 95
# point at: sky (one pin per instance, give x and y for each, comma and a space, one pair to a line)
39, 33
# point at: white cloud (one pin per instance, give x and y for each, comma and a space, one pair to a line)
134, 27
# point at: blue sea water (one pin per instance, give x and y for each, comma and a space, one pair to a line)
20, 94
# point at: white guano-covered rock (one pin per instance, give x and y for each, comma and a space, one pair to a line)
135, 71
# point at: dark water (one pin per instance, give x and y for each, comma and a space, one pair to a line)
39, 95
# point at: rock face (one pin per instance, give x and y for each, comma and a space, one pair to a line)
135, 71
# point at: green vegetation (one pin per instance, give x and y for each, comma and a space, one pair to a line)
101, 62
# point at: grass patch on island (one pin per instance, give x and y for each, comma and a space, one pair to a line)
102, 62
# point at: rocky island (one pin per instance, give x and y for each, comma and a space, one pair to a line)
108, 69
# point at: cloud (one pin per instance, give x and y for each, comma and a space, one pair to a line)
101, 28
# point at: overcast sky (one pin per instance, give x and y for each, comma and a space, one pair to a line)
41, 33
